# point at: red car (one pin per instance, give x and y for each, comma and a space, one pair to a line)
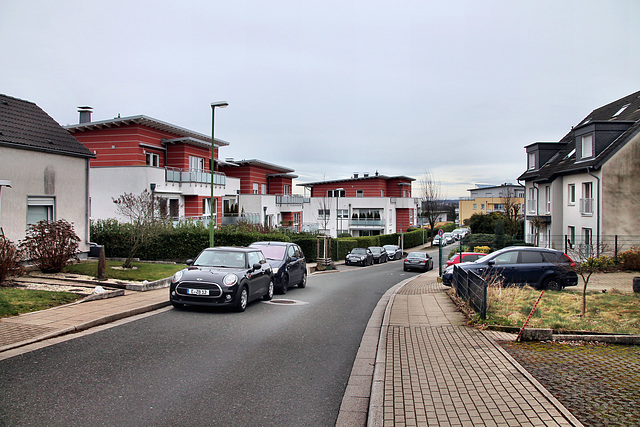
466, 257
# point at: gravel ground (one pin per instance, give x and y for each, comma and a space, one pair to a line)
598, 383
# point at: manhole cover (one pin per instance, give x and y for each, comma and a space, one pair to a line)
286, 302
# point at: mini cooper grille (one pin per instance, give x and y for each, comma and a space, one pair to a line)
215, 290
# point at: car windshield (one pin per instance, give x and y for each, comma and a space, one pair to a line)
375, 250
417, 255
389, 247
272, 251
359, 251
218, 258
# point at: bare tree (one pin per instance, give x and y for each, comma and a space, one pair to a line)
511, 204
143, 212
432, 201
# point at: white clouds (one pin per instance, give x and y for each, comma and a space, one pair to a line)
334, 87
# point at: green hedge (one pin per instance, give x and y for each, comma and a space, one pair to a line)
186, 240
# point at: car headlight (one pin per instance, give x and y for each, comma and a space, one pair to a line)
176, 277
275, 270
448, 269
230, 279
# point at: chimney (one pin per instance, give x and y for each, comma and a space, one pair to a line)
85, 114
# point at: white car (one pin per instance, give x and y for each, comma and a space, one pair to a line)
447, 238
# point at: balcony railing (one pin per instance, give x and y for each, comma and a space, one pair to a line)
378, 223
586, 207
194, 176
291, 199
251, 218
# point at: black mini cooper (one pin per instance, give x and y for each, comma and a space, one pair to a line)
223, 277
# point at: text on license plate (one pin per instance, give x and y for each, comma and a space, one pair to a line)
198, 291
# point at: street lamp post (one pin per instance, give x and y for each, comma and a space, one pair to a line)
338, 190
219, 104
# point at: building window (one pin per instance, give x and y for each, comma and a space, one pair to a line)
381, 193
482, 207
264, 189
153, 159
343, 213
174, 208
324, 213
196, 163
586, 202
532, 203
547, 197
287, 189
475, 206
571, 231
256, 188
531, 161
359, 193
586, 146
571, 194
40, 209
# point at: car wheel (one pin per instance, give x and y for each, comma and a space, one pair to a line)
303, 282
243, 299
553, 284
284, 286
405, 268
269, 294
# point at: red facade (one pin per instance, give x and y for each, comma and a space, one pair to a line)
366, 187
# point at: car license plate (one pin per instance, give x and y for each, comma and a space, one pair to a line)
198, 291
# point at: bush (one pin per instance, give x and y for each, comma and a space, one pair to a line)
630, 260
52, 244
482, 249
10, 259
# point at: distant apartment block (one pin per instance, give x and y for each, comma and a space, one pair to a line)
491, 198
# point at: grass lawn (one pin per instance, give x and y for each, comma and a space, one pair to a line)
141, 271
14, 301
611, 312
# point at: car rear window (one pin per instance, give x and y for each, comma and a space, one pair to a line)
272, 252
555, 258
417, 255
471, 257
530, 257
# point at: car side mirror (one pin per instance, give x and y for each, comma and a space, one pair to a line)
257, 266
189, 262
491, 263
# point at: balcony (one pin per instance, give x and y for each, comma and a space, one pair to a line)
291, 199
233, 218
366, 223
586, 207
193, 176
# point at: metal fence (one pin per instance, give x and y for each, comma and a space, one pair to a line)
583, 246
472, 289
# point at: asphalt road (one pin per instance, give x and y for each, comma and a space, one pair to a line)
275, 364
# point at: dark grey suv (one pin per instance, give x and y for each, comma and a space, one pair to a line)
538, 267
288, 264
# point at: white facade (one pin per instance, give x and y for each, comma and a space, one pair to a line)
330, 214
53, 184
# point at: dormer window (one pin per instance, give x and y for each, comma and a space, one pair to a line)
586, 146
531, 161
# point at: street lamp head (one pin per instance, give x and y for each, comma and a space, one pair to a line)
219, 104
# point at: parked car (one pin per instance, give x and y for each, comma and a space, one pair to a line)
436, 241
223, 277
379, 254
466, 257
287, 262
359, 256
459, 233
539, 267
418, 261
393, 252
448, 239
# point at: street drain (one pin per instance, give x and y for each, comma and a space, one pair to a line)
286, 302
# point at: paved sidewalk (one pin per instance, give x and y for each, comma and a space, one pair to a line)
419, 365
28, 328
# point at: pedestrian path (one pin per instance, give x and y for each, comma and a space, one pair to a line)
431, 369
41, 325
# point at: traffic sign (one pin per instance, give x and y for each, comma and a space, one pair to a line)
440, 232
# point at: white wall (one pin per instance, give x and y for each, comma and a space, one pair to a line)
26, 169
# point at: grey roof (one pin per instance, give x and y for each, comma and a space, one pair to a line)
564, 161
24, 125
145, 121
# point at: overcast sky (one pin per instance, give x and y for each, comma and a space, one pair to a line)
330, 88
